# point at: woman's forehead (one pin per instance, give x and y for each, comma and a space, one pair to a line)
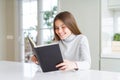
59, 23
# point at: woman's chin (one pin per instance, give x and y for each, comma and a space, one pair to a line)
62, 38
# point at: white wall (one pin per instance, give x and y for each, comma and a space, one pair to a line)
10, 48
7, 48
2, 30
87, 14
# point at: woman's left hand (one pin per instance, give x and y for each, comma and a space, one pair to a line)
67, 65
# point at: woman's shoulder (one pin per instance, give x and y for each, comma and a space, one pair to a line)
82, 36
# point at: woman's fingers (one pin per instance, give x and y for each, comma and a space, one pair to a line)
63, 67
34, 59
59, 65
66, 65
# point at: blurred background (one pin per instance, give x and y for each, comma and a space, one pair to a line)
99, 20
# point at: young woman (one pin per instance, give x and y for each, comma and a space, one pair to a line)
73, 44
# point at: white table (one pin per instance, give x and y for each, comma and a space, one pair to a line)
24, 71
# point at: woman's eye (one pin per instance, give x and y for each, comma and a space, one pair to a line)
63, 27
57, 28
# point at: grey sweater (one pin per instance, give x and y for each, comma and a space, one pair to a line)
76, 48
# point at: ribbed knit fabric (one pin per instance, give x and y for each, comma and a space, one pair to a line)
76, 48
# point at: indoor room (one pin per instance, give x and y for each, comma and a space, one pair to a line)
98, 20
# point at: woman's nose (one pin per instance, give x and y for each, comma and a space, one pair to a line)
60, 30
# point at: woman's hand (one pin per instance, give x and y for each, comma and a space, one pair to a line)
34, 59
67, 65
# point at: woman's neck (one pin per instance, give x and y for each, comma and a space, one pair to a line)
69, 38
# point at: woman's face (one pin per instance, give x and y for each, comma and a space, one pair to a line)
62, 30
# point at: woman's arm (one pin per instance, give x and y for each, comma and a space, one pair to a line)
85, 58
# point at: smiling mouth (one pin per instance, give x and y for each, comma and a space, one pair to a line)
62, 35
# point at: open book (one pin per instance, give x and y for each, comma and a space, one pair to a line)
48, 55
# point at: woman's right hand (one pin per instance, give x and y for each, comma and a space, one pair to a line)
34, 59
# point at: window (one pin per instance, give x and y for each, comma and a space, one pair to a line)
37, 22
117, 21
110, 25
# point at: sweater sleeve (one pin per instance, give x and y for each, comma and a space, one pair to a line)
85, 58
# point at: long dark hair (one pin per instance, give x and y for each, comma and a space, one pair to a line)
68, 19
